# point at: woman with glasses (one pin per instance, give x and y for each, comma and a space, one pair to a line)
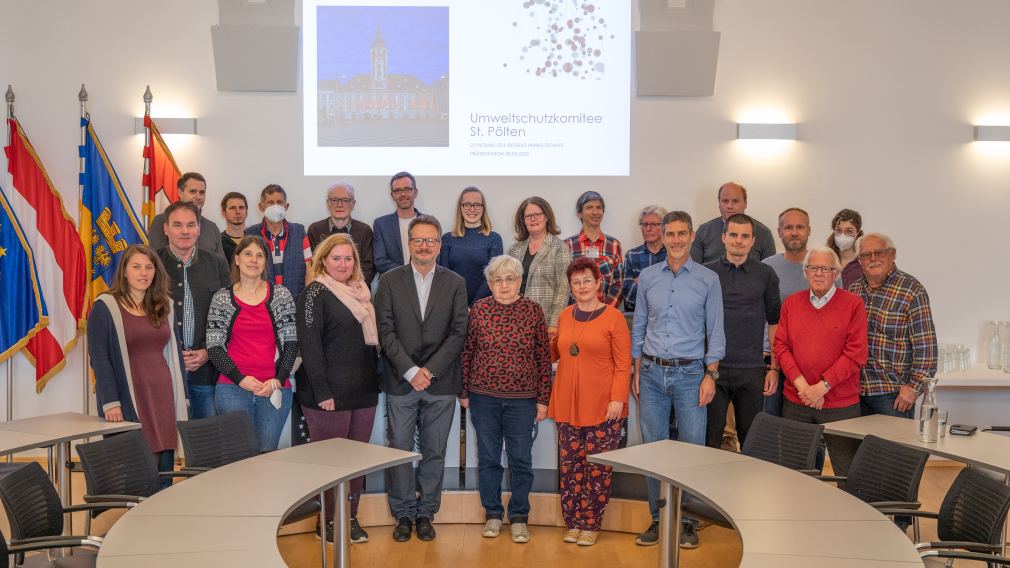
544, 258
506, 385
471, 244
847, 226
589, 398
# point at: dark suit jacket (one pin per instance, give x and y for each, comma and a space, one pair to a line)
436, 342
386, 246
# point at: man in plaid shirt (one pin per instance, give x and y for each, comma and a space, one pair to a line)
902, 339
650, 252
604, 249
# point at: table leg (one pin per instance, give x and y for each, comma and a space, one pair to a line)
342, 528
63, 483
322, 525
669, 525
1006, 480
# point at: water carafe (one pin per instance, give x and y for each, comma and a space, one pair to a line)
995, 347
929, 427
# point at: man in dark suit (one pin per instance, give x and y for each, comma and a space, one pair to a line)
389, 244
421, 314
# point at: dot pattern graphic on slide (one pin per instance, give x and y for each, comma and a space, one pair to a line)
569, 41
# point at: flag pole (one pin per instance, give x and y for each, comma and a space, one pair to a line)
9, 96
148, 204
82, 97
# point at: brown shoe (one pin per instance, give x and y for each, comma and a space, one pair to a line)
587, 538
571, 535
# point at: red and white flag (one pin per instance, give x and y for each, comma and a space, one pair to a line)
59, 255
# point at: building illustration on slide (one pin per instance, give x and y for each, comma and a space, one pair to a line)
382, 108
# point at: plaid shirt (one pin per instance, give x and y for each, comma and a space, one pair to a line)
634, 261
902, 338
608, 258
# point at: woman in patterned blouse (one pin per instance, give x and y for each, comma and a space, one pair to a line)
506, 386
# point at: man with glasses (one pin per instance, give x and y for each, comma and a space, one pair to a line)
390, 231
677, 341
340, 203
421, 315
708, 242
820, 346
650, 252
902, 338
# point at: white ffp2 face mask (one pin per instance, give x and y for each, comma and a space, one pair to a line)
275, 213
844, 242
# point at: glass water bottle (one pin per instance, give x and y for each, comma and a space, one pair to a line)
929, 427
995, 348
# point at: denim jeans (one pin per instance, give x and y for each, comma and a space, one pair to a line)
508, 420
882, 404
660, 389
267, 420
201, 401
166, 462
773, 403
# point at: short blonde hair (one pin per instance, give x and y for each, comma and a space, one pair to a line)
326, 247
503, 264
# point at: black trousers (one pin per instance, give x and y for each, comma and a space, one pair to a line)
841, 448
744, 388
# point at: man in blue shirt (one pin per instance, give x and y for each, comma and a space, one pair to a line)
678, 313
650, 252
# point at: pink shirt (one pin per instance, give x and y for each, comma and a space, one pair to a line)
252, 345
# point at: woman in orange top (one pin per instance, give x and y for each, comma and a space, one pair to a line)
589, 399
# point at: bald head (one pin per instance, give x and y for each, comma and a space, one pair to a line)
732, 199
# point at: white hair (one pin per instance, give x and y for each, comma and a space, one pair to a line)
343, 184
503, 264
888, 243
652, 210
822, 250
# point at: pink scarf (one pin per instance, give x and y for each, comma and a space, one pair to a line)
358, 299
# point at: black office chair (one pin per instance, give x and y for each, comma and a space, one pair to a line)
36, 517
970, 518
219, 440
772, 439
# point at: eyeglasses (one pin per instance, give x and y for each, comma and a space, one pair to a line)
650, 225
468, 206
533, 216
340, 200
400, 190
819, 269
507, 281
872, 254
419, 242
584, 282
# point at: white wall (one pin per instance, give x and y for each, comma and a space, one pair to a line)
884, 93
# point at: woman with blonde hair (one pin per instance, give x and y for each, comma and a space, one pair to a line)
471, 244
338, 385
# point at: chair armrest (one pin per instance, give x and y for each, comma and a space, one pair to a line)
895, 505
181, 473
112, 498
99, 506
832, 478
813, 472
909, 513
996, 428
990, 558
21, 545
192, 470
966, 545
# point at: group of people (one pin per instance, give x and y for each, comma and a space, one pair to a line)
219, 319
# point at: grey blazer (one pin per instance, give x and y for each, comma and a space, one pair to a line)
547, 284
435, 342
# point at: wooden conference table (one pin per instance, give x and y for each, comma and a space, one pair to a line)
56, 431
229, 516
768, 505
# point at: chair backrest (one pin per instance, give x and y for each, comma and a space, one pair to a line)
883, 470
974, 508
5, 560
32, 504
783, 442
218, 440
121, 464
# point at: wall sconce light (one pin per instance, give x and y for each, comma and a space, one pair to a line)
988, 133
755, 131
167, 125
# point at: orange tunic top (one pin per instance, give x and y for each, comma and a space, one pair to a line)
585, 383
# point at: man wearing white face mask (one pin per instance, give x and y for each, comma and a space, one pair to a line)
290, 252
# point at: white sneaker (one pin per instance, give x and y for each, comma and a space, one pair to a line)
571, 535
491, 528
520, 532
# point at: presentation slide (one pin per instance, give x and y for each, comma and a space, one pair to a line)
467, 87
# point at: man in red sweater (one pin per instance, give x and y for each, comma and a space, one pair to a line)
821, 346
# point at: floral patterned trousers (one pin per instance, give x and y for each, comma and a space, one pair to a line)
585, 486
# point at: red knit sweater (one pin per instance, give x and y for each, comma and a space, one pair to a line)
829, 343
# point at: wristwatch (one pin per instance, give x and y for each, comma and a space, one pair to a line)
714, 374
827, 385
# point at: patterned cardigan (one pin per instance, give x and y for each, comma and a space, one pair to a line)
224, 310
546, 283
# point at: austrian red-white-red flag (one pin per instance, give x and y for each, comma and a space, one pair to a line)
59, 254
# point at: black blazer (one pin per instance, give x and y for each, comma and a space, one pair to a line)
436, 342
